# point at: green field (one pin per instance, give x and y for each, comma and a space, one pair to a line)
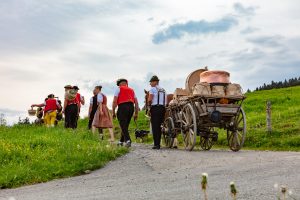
285, 121
31, 154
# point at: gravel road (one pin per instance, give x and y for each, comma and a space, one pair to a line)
174, 174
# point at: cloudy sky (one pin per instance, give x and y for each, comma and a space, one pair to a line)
47, 44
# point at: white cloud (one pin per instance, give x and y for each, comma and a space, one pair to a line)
46, 45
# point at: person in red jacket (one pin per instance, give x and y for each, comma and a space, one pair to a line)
51, 105
79, 100
127, 104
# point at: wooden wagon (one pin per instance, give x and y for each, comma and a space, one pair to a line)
199, 115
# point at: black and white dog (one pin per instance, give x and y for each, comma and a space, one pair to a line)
141, 134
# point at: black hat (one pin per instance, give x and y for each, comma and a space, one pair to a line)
121, 80
68, 86
154, 78
75, 87
51, 96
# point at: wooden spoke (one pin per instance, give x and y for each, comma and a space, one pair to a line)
236, 136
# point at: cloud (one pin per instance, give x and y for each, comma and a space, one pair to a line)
242, 10
178, 30
268, 41
249, 30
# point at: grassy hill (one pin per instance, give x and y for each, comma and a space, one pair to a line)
285, 120
33, 154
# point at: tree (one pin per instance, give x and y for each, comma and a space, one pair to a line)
25, 121
2, 120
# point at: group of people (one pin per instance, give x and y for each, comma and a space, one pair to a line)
125, 107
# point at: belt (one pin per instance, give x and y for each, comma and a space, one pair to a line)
157, 106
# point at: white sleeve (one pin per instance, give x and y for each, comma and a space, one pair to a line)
117, 92
57, 104
99, 98
91, 101
152, 90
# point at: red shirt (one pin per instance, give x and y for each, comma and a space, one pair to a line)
126, 95
51, 104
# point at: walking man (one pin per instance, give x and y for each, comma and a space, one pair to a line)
157, 99
127, 104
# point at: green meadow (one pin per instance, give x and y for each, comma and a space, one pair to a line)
33, 154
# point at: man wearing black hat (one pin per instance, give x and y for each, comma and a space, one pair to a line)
157, 99
127, 104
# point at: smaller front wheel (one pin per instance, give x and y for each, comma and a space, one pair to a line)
236, 136
168, 132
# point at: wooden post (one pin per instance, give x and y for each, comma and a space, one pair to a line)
269, 119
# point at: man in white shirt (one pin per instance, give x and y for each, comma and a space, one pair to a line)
158, 100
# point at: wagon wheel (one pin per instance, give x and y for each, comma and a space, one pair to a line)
168, 132
236, 136
206, 141
188, 127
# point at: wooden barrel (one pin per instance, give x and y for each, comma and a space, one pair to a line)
192, 79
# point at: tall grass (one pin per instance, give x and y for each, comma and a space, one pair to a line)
33, 154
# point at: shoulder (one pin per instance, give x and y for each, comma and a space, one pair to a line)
117, 92
152, 90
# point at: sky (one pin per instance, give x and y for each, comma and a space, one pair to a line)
45, 45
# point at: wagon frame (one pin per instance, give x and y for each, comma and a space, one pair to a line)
199, 115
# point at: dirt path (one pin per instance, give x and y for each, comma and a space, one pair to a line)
174, 174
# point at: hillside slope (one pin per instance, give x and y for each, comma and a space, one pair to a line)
285, 120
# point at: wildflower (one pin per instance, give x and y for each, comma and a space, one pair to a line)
233, 190
204, 181
204, 185
290, 192
276, 186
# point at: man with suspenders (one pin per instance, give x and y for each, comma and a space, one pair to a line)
157, 99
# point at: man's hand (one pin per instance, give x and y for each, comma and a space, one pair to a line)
114, 115
135, 117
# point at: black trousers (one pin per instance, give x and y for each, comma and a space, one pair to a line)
92, 115
157, 118
124, 115
91, 119
71, 116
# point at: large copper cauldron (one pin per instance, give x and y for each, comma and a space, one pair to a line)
215, 76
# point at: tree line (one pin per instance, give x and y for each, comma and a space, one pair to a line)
280, 84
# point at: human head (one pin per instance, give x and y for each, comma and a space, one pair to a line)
154, 81
122, 82
75, 87
68, 87
50, 96
98, 89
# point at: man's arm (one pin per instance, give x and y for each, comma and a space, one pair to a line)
90, 110
38, 105
136, 105
65, 105
114, 106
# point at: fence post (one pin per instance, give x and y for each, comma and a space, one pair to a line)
269, 118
